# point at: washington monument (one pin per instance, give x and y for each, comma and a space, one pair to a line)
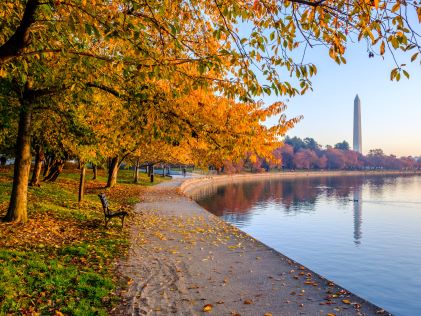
357, 125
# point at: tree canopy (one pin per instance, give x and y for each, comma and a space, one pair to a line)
123, 78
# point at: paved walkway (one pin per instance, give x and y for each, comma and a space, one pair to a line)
184, 260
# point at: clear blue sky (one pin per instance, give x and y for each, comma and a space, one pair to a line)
391, 111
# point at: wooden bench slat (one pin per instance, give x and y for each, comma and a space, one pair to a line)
108, 213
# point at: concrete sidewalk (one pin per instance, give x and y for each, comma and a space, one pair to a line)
184, 260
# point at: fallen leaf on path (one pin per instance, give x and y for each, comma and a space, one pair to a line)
207, 308
248, 302
346, 301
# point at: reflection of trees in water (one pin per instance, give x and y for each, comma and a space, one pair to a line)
236, 200
293, 194
290, 193
377, 185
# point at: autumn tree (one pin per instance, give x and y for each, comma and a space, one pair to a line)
51, 47
286, 155
306, 159
344, 145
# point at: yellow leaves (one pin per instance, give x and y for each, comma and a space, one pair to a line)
332, 53
395, 74
382, 48
207, 308
235, 246
396, 6
376, 3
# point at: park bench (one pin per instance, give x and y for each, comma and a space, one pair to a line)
108, 213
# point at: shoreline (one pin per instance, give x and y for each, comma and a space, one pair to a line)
189, 186
182, 258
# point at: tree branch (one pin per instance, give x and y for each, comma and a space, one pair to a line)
105, 88
20, 39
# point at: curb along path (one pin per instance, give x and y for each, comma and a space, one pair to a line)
183, 260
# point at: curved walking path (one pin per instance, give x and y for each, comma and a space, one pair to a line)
182, 258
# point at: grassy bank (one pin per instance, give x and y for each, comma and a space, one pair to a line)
61, 261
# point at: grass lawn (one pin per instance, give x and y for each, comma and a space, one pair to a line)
62, 260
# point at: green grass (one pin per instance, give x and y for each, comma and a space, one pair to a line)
126, 176
50, 280
61, 260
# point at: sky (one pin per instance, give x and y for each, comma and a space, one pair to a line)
390, 111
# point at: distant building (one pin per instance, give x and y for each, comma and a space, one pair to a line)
357, 145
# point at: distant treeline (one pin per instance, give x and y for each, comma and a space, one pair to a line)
307, 154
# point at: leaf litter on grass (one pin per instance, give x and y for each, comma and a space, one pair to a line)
61, 260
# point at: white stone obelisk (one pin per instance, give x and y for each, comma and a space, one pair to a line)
357, 125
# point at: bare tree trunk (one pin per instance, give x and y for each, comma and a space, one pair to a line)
55, 170
152, 172
95, 170
17, 211
82, 182
112, 172
36, 173
136, 172
47, 165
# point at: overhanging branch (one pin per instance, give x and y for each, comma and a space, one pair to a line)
20, 38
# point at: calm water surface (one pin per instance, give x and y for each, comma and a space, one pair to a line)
362, 232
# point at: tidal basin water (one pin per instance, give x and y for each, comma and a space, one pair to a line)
364, 233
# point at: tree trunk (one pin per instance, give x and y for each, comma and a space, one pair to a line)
152, 172
36, 173
82, 182
95, 170
17, 211
55, 170
112, 172
136, 172
47, 165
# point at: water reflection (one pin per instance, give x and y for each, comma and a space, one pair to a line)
358, 212
235, 201
363, 232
